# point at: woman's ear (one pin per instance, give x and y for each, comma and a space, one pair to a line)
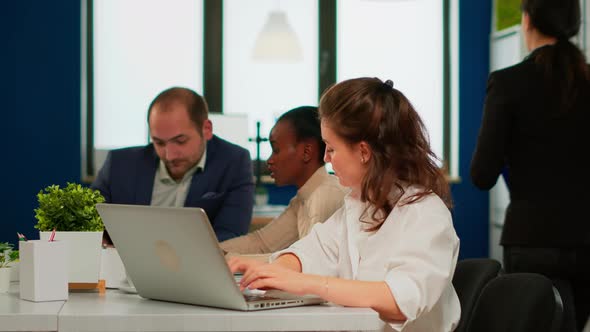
365, 152
307, 152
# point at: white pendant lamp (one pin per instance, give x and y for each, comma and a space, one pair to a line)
277, 42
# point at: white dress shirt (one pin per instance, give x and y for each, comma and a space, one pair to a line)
415, 252
172, 193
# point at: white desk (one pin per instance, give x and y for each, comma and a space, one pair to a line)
21, 315
117, 312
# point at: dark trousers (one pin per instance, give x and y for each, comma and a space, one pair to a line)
570, 271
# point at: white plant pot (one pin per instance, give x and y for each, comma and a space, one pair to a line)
14, 267
5, 279
84, 253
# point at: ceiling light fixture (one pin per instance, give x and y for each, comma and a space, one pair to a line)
277, 41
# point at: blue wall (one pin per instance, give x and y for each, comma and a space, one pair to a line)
41, 106
40, 61
471, 205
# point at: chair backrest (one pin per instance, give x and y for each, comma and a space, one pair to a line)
471, 276
517, 302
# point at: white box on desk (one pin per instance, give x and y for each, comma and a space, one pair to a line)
43, 270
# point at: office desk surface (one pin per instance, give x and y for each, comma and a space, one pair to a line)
118, 311
22, 315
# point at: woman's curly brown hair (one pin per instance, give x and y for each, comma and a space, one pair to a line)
366, 109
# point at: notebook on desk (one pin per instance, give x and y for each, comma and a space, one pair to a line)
172, 254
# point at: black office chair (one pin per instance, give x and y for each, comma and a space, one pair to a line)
471, 276
517, 302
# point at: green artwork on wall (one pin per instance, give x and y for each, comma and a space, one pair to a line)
507, 13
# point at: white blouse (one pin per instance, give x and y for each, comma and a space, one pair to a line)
415, 252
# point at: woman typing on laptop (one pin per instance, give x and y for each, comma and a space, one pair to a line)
392, 246
297, 159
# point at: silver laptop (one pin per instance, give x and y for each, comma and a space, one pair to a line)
172, 254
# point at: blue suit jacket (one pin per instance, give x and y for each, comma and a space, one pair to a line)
225, 189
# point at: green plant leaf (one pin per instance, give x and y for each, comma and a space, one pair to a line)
68, 209
5, 256
14, 255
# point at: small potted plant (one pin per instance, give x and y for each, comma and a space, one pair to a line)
7, 255
71, 212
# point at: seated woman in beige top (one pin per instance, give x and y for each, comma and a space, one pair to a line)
297, 159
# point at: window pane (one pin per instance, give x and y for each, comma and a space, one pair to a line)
265, 89
401, 41
586, 26
454, 88
141, 47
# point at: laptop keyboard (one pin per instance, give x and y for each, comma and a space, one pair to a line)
260, 297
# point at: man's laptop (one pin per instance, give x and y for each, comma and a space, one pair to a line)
172, 254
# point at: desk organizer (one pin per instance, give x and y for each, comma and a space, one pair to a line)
43, 270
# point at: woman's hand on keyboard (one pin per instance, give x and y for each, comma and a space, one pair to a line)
274, 276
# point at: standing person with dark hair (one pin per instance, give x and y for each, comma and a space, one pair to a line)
392, 246
184, 165
534, 125
297, 159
